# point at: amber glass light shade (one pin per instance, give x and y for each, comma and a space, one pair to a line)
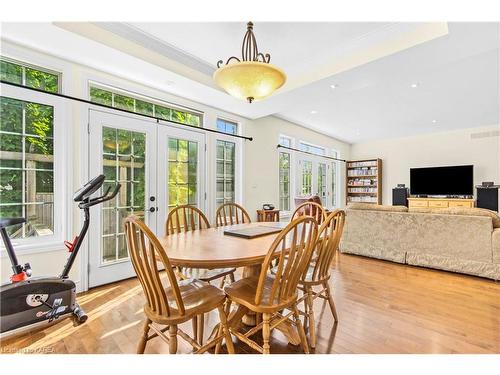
250, 80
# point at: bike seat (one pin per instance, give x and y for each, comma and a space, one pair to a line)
9, 221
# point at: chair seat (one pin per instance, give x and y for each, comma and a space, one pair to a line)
206, 275
308, 279
198, 296
243, 292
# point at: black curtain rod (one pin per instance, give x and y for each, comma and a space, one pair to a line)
310, 153
122, 110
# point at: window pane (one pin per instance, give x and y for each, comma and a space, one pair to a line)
101, 96
11, 112
26, 166
285, 141
306, 177
284, 181
123, 161
225, 165
182, 172
144, 107
312, 149
227, 126
11, 72
42, 80
124, 102
27, 76
162, 112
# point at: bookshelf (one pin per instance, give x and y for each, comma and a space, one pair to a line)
364, 181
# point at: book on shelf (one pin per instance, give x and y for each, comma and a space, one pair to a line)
362, 182
357, 164
364, 199
362, 190
362, 172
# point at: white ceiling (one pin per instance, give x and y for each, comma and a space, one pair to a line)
455, 65
296, 48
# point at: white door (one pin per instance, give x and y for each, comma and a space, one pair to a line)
314, 177
123, 149
159, 166
181, 171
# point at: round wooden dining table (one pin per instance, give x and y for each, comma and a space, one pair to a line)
211, 248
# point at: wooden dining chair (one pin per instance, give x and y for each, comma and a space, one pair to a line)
185, 218
269, 294
230, 214
167, 307
319, 270
313, 209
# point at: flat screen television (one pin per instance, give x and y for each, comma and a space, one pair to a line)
453, 180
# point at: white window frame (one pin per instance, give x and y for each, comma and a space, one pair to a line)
62, 177
238, 164
336, 163
287, 214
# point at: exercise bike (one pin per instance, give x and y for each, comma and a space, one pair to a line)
27, 302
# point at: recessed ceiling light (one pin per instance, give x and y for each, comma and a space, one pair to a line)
414, 85
314, 112
334, 86
434, 121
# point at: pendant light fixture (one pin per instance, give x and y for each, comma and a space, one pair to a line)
252, 77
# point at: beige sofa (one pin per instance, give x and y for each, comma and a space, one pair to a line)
453, 240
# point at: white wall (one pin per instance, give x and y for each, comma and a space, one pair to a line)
436, 149
261, 157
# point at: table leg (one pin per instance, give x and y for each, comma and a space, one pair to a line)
249, 318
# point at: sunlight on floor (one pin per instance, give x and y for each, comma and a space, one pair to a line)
68, 328
124, 328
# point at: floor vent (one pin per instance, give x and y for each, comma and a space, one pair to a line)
493, 133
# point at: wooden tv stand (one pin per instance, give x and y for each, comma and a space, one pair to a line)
440, 202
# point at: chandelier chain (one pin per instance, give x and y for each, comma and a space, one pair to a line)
249, 49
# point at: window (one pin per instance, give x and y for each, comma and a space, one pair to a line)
227, 126
284, 175
225, 160
23, 74
285, 141
144, 107
27, 152
311, 148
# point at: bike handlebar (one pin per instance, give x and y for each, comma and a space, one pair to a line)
103, 198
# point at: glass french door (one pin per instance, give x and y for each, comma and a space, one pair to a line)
124, 150
158, 167
181, 165
315, 177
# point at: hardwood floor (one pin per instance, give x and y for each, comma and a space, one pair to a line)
383, 307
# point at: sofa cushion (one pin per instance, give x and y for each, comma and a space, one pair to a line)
376, 207
467, 211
